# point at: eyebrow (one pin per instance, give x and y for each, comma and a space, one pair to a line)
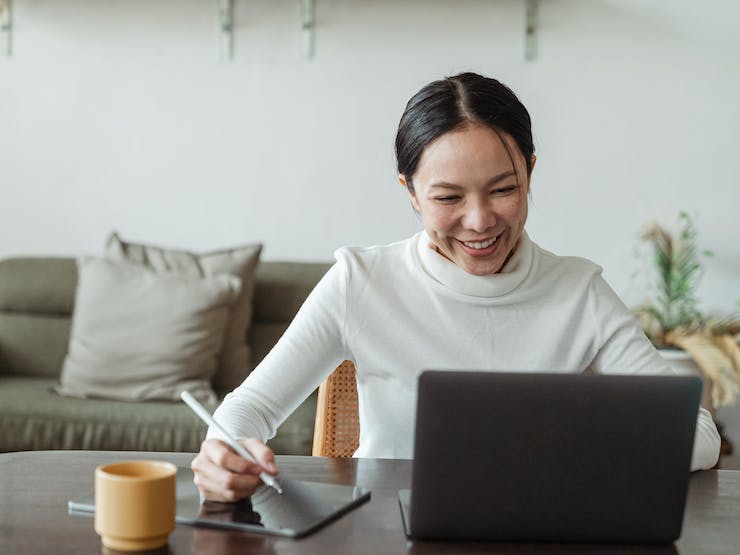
495, 179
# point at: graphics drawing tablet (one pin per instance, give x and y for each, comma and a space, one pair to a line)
303, 507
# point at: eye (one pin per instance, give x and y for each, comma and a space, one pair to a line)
447, 199
501, 191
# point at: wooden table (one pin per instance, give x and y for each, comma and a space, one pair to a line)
35, 487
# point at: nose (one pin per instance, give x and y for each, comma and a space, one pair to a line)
479, 216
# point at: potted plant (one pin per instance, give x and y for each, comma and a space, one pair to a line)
684, 336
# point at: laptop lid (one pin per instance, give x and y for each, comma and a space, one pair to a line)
551, 457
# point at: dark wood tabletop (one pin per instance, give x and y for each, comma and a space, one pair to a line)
35, 488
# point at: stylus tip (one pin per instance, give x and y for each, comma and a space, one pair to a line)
273, 483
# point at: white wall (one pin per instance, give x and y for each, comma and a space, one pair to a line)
120, 115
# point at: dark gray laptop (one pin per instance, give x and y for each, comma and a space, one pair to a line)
551, 457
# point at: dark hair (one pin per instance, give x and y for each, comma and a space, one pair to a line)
455, 102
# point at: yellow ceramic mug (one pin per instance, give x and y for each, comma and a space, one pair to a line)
135, 504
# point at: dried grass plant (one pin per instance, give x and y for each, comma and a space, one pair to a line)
671, 319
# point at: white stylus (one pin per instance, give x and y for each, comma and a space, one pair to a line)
206, 417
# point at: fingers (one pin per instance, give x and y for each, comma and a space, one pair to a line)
222, 475
262, 454
224, 456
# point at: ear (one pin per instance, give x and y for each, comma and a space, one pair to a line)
529, 176
412, 194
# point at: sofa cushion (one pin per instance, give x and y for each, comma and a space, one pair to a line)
33, 344
139, 335
38, 285
233, 365
33, 417
282, 287
36, 300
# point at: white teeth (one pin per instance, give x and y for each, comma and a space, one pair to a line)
478, 245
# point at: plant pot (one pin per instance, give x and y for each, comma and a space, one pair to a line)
684, 365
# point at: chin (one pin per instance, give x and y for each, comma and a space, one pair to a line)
479, 266
481, 269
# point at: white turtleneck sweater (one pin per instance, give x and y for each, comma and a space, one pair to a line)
395, 310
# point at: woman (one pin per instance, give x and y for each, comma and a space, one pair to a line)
470, 291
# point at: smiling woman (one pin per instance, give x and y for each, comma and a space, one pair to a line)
471, 199
467, 169
470, 290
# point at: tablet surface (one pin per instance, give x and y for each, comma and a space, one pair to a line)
302, 508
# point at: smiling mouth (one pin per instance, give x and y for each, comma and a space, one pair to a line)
481, 245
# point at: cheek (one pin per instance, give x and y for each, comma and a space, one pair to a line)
515, 210
438, 218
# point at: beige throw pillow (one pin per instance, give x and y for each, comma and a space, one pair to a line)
138, 335
233, 363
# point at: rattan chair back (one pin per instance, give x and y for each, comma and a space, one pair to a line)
337, 428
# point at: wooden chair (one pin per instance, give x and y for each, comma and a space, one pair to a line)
337, 428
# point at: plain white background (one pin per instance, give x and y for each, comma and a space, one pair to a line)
121, 115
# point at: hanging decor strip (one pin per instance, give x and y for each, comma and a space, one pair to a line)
6, 26
226, 17
308, 24
532, 8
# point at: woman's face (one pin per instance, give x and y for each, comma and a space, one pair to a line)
472, 198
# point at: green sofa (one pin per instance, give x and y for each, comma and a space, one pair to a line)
36, 303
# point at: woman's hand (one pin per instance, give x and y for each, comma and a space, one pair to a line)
223, 475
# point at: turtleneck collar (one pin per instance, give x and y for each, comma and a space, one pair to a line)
453, 277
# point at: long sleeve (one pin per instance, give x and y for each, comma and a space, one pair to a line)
391, 314
624, 348
312, 346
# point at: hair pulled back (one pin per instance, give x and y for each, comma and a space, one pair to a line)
455, 102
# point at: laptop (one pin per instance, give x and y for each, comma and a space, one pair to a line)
551, 457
